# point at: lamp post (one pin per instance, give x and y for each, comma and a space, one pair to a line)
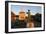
28, 15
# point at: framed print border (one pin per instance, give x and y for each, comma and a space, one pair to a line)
6, 15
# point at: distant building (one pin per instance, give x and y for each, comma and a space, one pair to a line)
13, 17
22, 15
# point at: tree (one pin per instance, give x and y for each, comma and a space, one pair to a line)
37, 20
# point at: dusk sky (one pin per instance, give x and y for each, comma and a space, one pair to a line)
33, 9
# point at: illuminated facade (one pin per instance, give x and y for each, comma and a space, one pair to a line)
22, 15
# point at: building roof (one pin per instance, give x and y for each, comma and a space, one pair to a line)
12, 14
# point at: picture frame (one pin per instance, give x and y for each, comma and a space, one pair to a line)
7, 13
